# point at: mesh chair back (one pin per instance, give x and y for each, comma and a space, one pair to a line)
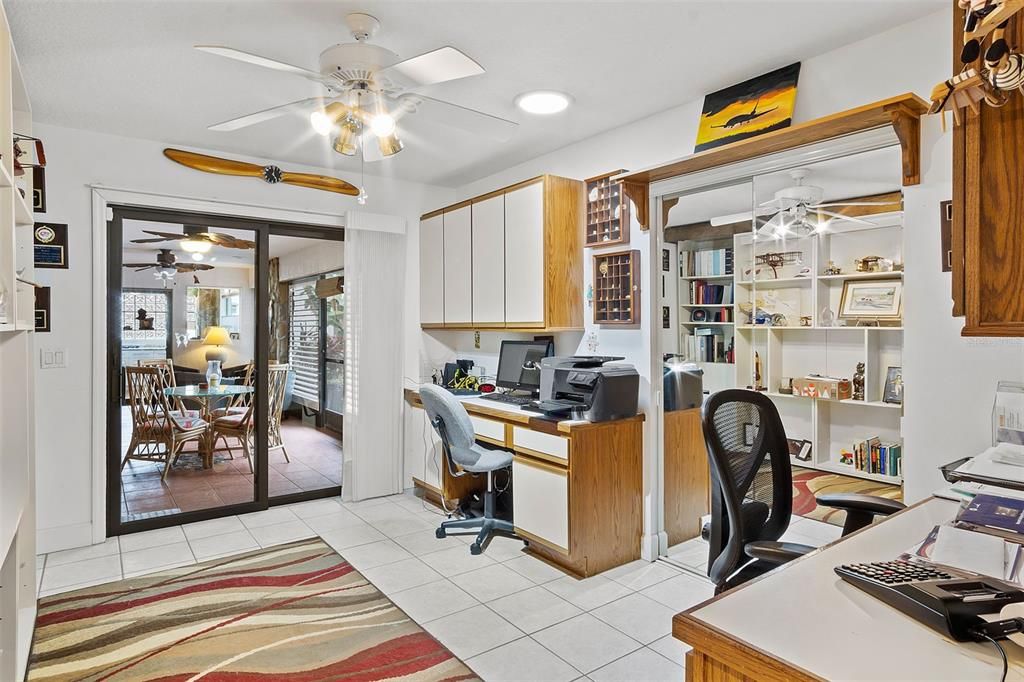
457, 434
749, 457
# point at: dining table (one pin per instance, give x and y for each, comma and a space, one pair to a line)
207, 396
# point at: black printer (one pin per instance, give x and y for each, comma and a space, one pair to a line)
584, 387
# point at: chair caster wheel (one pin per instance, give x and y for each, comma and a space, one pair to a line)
440, 533
475, 549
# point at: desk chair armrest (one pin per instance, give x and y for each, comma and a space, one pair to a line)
776, 553
860, 510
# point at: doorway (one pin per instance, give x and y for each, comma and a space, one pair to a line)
202, 420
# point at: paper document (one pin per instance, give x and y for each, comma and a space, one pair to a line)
985, 465
977, 552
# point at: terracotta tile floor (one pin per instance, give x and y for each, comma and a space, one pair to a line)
315, 464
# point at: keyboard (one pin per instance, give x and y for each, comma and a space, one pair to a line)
517, 400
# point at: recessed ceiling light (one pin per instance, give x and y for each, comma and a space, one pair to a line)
543, 102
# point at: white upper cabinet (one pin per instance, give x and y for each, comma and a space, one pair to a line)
489, 261
524, 256
458, 266
432, 270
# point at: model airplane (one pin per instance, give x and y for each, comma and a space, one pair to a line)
744, 119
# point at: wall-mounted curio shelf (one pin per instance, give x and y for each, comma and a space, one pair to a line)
617, 288
607, 211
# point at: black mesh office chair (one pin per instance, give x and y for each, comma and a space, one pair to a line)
752, 489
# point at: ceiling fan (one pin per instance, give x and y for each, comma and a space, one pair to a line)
368, 90
167, 266
799, 210
196, 240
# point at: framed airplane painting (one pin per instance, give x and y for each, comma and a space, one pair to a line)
748, 109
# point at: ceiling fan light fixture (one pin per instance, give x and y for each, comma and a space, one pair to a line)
543, 102
324, 120
382, 125
197, 257
196, 245
347, 141
389, 144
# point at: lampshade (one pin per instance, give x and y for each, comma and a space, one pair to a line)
217, 336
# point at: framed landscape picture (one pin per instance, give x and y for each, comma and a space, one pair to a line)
880, 299
748, 109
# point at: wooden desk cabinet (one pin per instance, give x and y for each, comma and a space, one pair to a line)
577, 487
687, 475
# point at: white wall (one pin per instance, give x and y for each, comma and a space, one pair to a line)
77, 159
318, 259
950, 380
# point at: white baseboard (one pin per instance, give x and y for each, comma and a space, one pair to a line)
651, 545
63, 537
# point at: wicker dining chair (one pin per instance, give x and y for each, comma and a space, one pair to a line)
159, 430
166, 367
278, 383
239, 404
238, 426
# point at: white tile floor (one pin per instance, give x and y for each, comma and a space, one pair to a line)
508, 615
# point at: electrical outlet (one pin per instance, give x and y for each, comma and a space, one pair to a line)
53, 358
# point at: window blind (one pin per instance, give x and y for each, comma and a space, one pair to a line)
304, 342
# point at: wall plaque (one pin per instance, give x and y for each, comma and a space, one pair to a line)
42, 309
50, 243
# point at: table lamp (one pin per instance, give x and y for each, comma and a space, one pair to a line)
216, 337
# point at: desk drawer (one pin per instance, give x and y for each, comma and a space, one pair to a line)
540, 502
535, 442
489, 430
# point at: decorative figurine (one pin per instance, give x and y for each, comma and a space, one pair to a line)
757, 372
805, 320
827, 317
833, 269
858, 382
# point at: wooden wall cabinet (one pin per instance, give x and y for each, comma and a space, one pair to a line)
510, 259
988, 210
607, 211
617, 288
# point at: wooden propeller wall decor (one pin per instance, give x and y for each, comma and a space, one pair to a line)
270, 174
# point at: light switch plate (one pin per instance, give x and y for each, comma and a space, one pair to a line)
53, 358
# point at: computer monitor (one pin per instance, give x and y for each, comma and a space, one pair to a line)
519, 364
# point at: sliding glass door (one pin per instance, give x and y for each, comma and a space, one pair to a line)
219, 392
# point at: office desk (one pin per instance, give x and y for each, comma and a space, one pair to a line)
577, 487
801, 622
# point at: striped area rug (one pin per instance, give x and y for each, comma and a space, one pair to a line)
297, 612
808, 484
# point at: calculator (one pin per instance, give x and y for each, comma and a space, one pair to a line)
948, 600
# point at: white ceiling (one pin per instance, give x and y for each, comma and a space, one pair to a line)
127, 66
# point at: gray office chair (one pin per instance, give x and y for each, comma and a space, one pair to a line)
458, 440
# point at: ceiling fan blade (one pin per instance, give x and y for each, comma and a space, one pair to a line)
257, 60
456, 116
165, 235
437, 66
154, 240
213, 164
139, 266
265, 115
838, 204
228, 242
192, 267
840, 216
321, 182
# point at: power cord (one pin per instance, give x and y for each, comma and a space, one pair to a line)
1002, 653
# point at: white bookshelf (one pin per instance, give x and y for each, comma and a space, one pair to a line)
17, 378
793, 350
719, 374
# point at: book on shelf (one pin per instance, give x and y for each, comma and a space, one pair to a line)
707, 345
872, 456
995, 515
703, 293
706, 263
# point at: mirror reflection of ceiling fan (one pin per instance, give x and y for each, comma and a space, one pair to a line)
798, 210
167, 266
196, 240
368, 90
